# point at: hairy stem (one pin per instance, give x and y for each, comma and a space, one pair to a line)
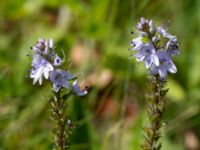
58, 110
155, 112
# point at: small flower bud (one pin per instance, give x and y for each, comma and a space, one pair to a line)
143, 21
139, 26
143, 34
41, 40
152, 30
57, 61
155, 39
51, 44
69, 124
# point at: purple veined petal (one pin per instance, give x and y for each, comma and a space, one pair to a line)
54, 74
172, 68
163, 55
172, 44
37, 59
173, 52
49, 66
143, 34
147, 52
161, 30
37, 75
148, 62
44, 62
68, 75
164, 33
162, 72
155, 59
65, 84
137, 43
59, 79
148, 48
64, 80
40, 67
140, 56
77, 90
33, 71
153, 70
36, 49
172, 47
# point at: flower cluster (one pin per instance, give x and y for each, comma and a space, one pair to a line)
155, 47
46, 63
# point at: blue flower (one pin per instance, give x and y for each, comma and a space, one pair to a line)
137, 44
163, 32
152, 28
148, 55
145, 26
43, 46
45, 62
77, 90
145, 53
155, 46
142, 25
166, 65
40, 67
172, 47
60, 78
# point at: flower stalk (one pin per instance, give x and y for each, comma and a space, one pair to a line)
47, 64
58, 108
155, 47
156, 105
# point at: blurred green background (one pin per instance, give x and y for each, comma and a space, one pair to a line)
95, 35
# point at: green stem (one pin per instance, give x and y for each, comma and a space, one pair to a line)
60, 137
58, 112
155, 112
